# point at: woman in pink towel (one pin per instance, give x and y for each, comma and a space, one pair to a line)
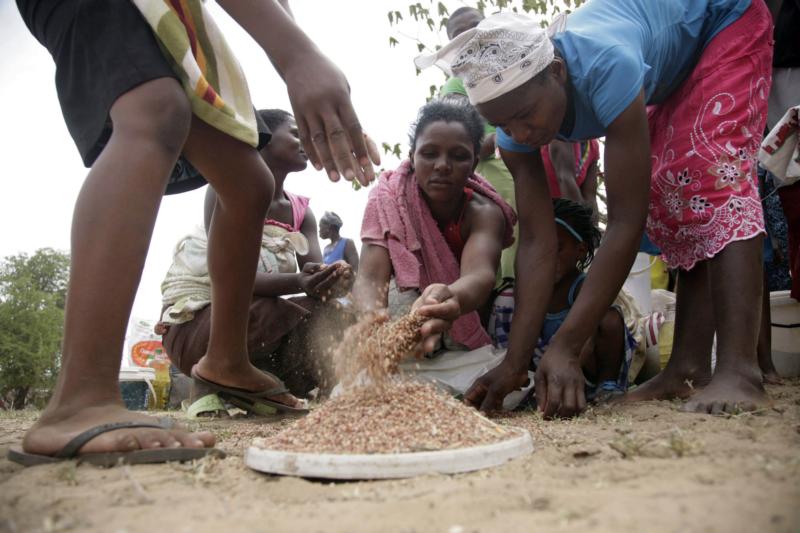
434, 226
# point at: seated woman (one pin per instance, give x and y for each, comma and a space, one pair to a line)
436, 230
278, 329
340, 248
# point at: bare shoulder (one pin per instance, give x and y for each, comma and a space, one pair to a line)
483, 212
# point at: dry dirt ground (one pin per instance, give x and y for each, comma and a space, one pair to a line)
644, 467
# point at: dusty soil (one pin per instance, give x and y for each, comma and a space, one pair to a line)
644, 467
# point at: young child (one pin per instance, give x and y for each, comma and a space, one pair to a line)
132, 108
606, 356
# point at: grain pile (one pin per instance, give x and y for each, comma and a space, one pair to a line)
404, 417
385, 413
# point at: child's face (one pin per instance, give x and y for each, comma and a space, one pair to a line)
443, 160
570, 252
284, 149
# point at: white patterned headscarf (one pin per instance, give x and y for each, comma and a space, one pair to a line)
498, 55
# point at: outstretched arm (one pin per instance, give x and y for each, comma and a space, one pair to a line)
318, 91
627, 157
371, 289
479, 261
535, 273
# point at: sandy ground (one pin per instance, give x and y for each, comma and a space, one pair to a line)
644, 467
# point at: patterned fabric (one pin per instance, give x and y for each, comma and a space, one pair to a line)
704, 141
777, 271
780, 151
186, 288
501, 53
500, 318
206, 66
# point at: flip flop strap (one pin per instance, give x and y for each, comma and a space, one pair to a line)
267, 394
71, 449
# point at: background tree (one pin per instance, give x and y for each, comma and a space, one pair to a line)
32, 296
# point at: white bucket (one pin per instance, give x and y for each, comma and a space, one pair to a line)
638, 282
785, 312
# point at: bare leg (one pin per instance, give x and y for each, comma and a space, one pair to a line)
244, 188
768, 373
609, 347
689, 365
736, 275
111, 229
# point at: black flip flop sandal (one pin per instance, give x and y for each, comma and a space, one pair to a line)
107, 459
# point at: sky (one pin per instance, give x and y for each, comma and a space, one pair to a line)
43, 172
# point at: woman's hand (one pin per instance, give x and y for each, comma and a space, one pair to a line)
329, 128
559, 384
316, 280
345, 277
441, 306
489, 390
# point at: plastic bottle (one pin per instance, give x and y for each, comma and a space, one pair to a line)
161, 384
666, 334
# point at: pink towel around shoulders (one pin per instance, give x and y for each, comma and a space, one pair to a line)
398, 218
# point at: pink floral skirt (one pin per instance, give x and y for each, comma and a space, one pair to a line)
704, 141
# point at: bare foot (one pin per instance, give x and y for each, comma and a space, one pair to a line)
729, 393
669, 384
57, 426
246, 377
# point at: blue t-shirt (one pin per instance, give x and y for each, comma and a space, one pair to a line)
613, 48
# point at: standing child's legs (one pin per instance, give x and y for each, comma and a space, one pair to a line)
689, 364
112, 225
768, 372
244, 188
736, 275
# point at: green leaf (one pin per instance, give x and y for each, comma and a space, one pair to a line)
393, 42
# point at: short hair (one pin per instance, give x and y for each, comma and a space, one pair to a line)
274, 118
331, 219
579, 217
441, 111
457, 12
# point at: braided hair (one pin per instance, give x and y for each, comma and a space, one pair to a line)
579, 217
